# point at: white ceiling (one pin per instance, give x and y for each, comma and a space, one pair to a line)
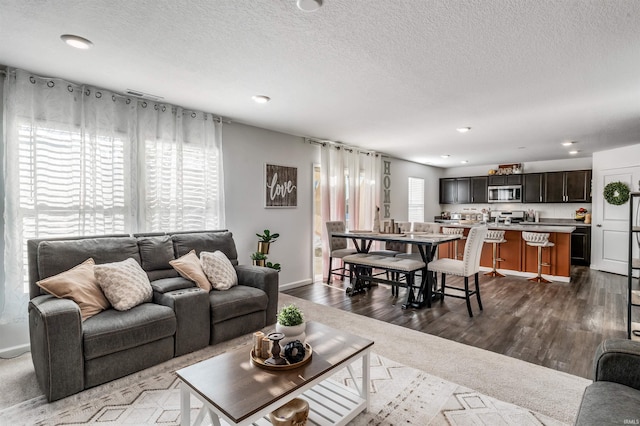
396, 76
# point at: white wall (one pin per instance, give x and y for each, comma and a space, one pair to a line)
401, 171
246, 149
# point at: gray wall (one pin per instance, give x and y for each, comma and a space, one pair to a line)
246, 150
401, 171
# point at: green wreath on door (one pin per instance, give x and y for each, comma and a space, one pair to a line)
616, 193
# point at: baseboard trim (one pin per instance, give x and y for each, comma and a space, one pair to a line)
295, 284
14, 351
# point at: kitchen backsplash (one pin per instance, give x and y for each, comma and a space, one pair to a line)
547, 210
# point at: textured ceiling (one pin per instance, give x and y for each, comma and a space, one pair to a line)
397, 76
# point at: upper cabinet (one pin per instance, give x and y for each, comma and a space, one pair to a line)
455, 190
533, 188
496, 180
568, 187
550, 187
479, 189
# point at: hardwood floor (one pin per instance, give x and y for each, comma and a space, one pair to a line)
556, 325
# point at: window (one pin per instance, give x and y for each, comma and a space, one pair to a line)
416, 200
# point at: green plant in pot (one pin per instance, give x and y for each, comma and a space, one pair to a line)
265, 240
275, 266
291, 323
259, 259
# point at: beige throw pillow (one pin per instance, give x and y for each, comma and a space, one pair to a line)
125, 283
189, 267
218, 269
78, 284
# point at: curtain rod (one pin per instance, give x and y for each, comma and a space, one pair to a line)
216, 118
340, 145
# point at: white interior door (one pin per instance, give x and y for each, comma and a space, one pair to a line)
610, 228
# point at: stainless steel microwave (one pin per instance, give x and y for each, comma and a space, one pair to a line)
505, 194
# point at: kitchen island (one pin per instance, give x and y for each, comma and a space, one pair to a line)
517, 258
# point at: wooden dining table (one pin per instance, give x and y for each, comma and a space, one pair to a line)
427, 244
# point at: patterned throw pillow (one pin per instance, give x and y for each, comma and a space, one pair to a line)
218, 269
125, 283
78, 284
189, 267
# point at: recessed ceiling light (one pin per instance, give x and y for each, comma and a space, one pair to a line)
464, 161
309, 5
463, 129
569, 143
76, 41
445, 156
260, 99
575, 151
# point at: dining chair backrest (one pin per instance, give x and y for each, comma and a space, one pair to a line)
334, 227
473, 250
430, 227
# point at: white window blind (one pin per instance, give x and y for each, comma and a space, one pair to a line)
70, 186
416, 199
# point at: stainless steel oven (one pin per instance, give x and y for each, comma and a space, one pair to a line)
505, 194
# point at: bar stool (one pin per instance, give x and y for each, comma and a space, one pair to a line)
495, 238
540, 240
454, 231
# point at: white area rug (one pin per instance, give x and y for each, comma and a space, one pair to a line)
474, 374
399, 395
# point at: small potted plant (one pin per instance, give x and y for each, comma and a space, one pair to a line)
291, 324
258, 258
265, 241
275, 266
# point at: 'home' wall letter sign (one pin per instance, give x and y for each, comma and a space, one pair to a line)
281, 186
386, 188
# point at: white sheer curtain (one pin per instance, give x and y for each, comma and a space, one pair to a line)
85, 161
348, 171
181, 169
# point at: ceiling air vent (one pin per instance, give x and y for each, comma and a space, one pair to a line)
139, 94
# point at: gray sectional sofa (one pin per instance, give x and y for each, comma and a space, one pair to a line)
70, 355
614, 396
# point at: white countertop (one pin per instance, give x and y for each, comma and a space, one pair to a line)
521, 227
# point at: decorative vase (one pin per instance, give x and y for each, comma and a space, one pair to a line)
263, 247
259, 262
292, 332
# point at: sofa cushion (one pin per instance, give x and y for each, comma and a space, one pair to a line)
189, 267
183, 243
112, 331
78, 284
155, 252
58, 256
606, 403
124, 283
219, 270
235, 302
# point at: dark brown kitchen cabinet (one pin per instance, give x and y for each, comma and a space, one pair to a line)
479, 192
497, 180
455, 190
568, 187
581, 246
533, 188
448, 191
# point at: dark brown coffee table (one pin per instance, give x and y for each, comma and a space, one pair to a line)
234, 390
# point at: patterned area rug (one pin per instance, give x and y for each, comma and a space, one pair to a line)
399, 395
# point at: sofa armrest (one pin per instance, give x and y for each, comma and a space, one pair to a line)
191, 307
618, 361
167, 285
266, 279
55, 333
